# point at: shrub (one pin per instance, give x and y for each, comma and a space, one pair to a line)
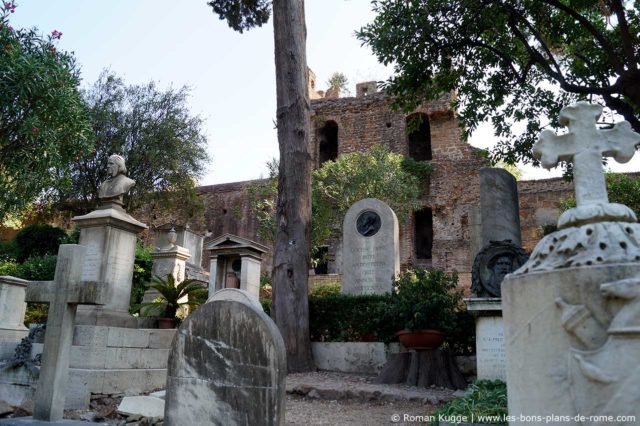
347, 318
485, 398
266, 305
141, 275
38, 268
325, 289
426, 300
8, 268
36, 313
38, 240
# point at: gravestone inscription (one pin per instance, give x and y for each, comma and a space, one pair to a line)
371, 256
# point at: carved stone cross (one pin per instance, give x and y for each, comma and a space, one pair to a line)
585, 145
63, 294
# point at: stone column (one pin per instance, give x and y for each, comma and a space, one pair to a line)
250, 276
109, 234
500, 212
12, 310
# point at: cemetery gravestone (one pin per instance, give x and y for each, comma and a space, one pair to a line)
227, 367
371, 254
571, 312
64, 294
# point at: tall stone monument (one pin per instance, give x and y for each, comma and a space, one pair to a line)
109, 234
571, 312
498, 253
371, 253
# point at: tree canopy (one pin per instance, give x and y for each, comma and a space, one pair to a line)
162, 142
379, 173
43, 120
510, 61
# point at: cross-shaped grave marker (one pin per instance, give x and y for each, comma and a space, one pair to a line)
585, 145
63, 294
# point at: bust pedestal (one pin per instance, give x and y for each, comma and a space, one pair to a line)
490, 352
109, 234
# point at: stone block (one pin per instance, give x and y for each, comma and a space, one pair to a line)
146, 406
350, 357
89, 335
161, 339
128, 338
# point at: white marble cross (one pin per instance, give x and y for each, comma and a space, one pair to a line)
63, 294
585, 145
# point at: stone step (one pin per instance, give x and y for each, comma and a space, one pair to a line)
339, 386
103, 336
100, 358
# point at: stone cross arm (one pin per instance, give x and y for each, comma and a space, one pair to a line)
585, 145
77, 293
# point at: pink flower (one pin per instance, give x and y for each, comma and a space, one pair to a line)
56, 34
10, 6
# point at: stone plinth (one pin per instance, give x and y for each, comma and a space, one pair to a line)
170, 261
551, 371
371, 254
12, 310
490, 349
110, 237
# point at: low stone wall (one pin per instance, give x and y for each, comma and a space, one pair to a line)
368, 357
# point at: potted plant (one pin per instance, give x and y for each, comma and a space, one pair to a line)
423, 306
172, 296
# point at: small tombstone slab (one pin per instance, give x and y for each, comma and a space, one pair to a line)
371, 254
227, 367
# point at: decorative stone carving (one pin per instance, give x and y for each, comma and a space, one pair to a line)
117, 184
492, 264
572, 312
585, 145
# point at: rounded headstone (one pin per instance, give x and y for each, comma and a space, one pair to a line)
371, 254
227, 367
236, 295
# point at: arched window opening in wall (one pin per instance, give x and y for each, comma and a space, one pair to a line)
423, 233
322, 267
420, 139
328, 146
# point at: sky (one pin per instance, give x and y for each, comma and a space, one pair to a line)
231, 75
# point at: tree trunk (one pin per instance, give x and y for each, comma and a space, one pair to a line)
293, 213
423, 368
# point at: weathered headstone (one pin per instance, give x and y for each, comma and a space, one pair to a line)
497, 253
227, 367
63, 294
371, 253
571, 312
12, 310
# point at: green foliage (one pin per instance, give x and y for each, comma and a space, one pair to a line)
38, 240
242, 15
168, 303
43, 120
622, 189
485, 398
36, 313
338, 82
8, 267
325, 289
162, 142
266, 305
347, 318
426, 300
509, 62
141, 276
38, 268
338, 184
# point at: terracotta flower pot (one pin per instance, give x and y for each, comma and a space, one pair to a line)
167, 323
420, 339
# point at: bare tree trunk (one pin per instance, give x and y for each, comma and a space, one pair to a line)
293, 214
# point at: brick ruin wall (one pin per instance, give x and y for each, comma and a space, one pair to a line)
453, 193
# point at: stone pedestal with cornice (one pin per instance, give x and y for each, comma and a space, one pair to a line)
572, 312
